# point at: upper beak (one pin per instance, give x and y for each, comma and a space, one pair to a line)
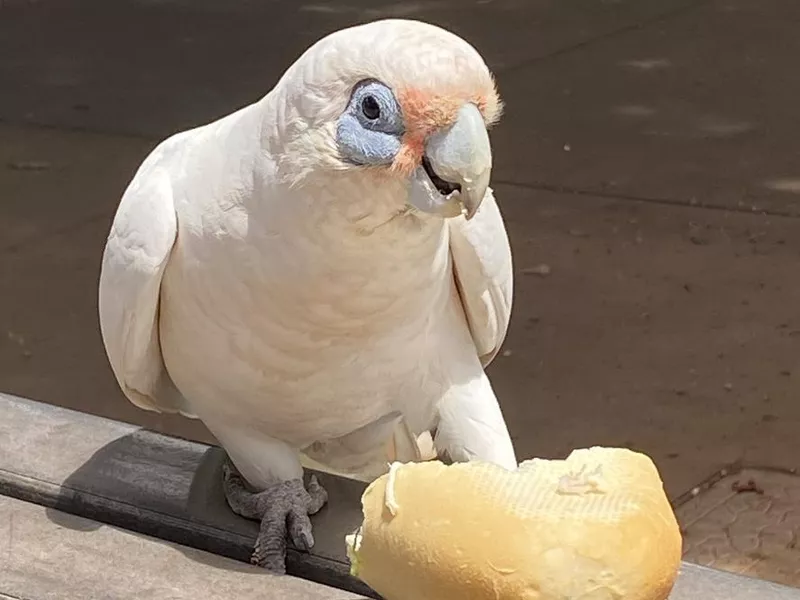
462, 154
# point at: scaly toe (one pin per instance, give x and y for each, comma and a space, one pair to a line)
283, 509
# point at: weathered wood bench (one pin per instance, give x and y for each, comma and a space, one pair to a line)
64, 473
45, 553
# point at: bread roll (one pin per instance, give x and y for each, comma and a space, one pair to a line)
596, 526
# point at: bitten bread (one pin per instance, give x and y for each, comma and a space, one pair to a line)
596, 526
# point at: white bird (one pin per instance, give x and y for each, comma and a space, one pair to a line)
322, 276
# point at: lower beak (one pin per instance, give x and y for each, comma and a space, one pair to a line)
462, 155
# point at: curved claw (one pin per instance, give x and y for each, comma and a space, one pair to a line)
318, 496
300, 530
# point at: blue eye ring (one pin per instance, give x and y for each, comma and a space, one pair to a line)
373, 103
370, 129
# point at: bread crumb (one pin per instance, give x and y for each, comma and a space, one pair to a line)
389, 498
582, 482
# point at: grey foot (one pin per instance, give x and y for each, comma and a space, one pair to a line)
283, 510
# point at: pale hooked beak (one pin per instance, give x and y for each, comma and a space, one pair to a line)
455, 172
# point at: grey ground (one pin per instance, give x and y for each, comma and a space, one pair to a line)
748, 522
648, 167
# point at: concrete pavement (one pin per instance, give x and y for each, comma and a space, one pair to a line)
648, 158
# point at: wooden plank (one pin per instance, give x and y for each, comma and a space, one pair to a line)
51, 554
161, 486
170, 489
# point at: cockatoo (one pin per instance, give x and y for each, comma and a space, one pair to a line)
322, 276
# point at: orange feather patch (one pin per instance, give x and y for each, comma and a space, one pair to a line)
425, 113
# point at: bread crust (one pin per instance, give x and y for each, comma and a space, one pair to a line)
596, 526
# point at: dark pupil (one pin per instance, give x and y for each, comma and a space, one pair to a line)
370, 108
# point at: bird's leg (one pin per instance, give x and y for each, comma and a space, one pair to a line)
283, 509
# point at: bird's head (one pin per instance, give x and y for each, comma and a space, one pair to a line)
402, 101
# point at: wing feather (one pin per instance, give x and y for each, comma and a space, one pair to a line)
484, 275
137, 251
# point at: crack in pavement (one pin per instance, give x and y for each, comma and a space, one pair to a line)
86, 129
660, 18
56, 231
565, 189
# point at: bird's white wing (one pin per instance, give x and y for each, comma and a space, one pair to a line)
136, 254
484, 275
471, 424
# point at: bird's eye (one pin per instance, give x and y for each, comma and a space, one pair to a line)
370, 107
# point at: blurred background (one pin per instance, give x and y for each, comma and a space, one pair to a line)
648, 166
